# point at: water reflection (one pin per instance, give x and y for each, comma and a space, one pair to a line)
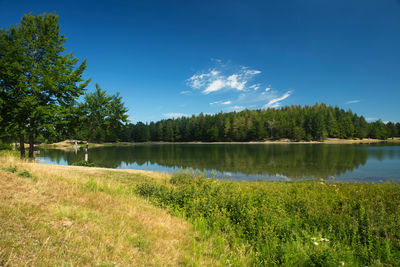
256, 161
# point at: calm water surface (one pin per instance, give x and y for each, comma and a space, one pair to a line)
355, 163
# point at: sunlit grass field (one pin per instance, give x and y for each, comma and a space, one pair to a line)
79, 216
58, 215
308, 223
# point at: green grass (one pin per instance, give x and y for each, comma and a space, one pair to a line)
77, 216
309, 223
58, 215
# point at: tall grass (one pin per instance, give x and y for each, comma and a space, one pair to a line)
310, 223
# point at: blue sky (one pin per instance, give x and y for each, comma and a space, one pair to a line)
173, 58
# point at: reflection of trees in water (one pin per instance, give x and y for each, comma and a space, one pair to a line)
290, 160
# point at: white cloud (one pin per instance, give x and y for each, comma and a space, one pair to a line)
215, 86
236, 83
214, 80
221, 102
353, 101
275, 103
175, 115
252, 72
233, 82
255, 87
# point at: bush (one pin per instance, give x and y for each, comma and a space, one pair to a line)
84, 163
4, 146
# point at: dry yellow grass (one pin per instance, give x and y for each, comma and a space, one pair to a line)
81, 216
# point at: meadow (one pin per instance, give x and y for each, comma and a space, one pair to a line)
306, 223
68, 215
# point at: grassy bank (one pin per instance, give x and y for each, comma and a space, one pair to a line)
77, 216
58, 215
310, 223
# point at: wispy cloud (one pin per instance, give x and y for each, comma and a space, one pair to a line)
255, 87
275, 103
175, 115
240, 84
353, 101
215, 80
221, 102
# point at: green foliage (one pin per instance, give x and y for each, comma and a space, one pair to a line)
297, 123
101, 116
39, 82
12, 169
4, 146
293, 224
25, 173
84, 163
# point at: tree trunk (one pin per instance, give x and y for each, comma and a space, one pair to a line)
31, 145
22, 146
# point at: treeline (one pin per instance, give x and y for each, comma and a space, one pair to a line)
316, 122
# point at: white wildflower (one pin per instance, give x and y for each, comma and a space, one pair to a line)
316, 243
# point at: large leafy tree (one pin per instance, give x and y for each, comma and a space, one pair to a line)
39, 81
102, 116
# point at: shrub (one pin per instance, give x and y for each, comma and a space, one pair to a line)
84, 163
4, 146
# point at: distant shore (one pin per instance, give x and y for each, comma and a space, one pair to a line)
70, 144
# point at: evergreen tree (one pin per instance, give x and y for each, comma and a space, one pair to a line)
294, 122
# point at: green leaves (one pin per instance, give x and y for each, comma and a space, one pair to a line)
36, 76
102, 115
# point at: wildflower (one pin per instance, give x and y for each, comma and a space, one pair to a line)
324, 240
313, 238
341, 263
316, 243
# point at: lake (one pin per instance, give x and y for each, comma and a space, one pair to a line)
352, 163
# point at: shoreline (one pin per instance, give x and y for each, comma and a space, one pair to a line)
69, 144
